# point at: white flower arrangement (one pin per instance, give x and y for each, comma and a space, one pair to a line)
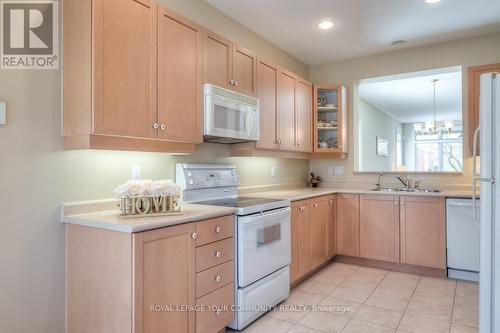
147, 188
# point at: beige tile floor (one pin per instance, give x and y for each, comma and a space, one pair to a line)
376, 301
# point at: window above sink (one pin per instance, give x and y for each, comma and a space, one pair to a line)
409, 122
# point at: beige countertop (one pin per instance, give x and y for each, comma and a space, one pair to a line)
308, 192
103, 214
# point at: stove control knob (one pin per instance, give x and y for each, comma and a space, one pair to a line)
191, 182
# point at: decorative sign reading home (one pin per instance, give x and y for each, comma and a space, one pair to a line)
148, 198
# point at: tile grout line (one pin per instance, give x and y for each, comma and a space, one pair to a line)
297, 323
411, 297
453, 307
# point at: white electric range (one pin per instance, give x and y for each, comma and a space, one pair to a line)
262, 237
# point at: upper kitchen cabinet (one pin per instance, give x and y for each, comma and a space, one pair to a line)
179, 77
228, 65
244, 71
218, 60
285, 115
474, 74
267, 87
110, 77
303, 116
286, 110
330, 121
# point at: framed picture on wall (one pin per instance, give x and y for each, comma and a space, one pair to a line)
382, 146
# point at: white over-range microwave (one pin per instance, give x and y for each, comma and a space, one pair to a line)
230, 117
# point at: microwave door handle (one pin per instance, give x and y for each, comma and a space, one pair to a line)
248, 127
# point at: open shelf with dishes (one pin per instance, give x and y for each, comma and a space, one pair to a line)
330, 120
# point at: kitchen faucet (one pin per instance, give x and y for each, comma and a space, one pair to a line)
404, 180
379, 183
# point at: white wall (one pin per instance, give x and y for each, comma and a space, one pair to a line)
466, 52
374, 123
36, 175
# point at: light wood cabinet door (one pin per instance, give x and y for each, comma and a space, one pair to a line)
294, 232
379, 227
348, 224
267, 84
319, 231
179, 78
423, 228
286, 110
218, 60
164, 273
332, 218
305, 251
304, 116
244, 71
124, 46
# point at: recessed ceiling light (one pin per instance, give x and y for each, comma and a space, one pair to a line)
326, 24
432, 1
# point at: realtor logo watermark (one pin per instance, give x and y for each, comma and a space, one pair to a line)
30, 33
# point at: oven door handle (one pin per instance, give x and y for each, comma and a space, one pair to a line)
257, 218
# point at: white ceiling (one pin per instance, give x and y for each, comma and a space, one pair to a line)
410, 99
362, 26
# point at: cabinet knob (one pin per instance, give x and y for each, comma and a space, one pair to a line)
280, 141
395, 202
156, 126
232, 82
218, 312
235, 83
218, 229
218, 278
315, 205
163, 127
218, 254
194, 235
330, 202
298, 143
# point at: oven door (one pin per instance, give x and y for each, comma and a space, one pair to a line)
229, 118
263, 244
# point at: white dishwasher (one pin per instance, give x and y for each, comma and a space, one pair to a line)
462, 237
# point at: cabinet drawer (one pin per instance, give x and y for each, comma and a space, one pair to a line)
214, 278
214, 254
211, 320
215, 229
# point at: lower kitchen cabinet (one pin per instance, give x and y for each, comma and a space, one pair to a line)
423, 231
312, 227
164, 255
319, 231
332, 223
151, 281
379, 227
347, 224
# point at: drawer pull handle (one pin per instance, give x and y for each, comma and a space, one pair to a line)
218, 278
194, 235
218, 254
218, 229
